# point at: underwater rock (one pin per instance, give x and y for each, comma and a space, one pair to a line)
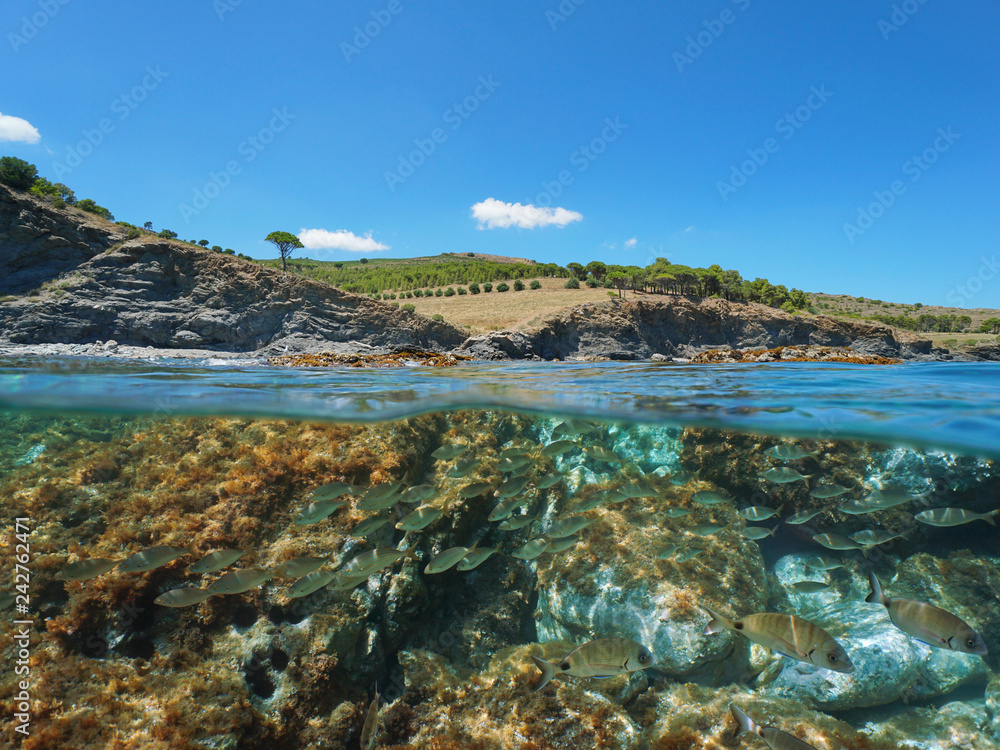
889, 664
612, 584
444, 706
993, 706
954, 725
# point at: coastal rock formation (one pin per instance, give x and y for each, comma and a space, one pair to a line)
681, 326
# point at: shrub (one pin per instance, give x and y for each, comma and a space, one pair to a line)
949, 343
438, 316
363, 260
462, 290
418, 292
58, 202
438, 292
449, 292
536, 284
218, 249
518, 285
17, 173
502, 286
487, 287
471, 255
591, 282
428, 292
203, 243
167, 234
409, 307
92, 208
377, 296
572, 283
474, 288
229, 251
133, 233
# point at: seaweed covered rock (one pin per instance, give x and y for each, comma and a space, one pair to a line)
613, 583
444, 706
961, 724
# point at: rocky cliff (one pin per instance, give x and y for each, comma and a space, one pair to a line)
68, 277
85, 283
680, 326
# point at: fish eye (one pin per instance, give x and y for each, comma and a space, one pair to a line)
564, 666
971, 643
833, 658
643, 658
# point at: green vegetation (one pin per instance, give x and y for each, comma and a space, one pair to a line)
572, 282
990, 325
518, 285
502, 286
286, 242
17, 173
474, 288
926, 322
91, 207
536, 284
487, 287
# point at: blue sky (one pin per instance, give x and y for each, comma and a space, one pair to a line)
847, 147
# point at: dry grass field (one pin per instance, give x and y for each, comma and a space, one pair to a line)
497, 311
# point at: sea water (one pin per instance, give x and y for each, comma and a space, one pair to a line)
106, 458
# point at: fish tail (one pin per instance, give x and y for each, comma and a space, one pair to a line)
988, 517
411, 553
876, 595
548, 672
746, 724
718, 623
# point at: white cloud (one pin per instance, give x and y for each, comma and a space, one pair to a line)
690, 228
17, 129
494, 214
631, 242
324, 239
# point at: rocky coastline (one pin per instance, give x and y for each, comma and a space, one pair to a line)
72, 284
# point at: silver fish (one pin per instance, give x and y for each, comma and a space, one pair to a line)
369, 526
681, 478
824, 562
709, 497
317, 511
836, 542
84, 570
787, 452
476, 557
505, 507
6, 599
869, 538
182, 597
371, 562
331, 491
563, 543
299, 567
308, 584
955, 516
668, 551
238, 581
803, 516
512, 487
637, 490
217, 560
773, 738
549, 480
563, 527
475, 489
759, 512
605, 657
463, 468
783, 475
757, 533
532, 549
810, 587
514, 463
516, 522
448, 452
380, 497
514, 452
689, 554
343, 582
600, 453
418, 493
676, 512
597, 499
151, 559
421, 518
889, 497
369, 729
826, 491
558, 447
787, 634
927, 623
446, 559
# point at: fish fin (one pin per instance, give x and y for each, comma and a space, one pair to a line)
864, 551
876, 595
192, 549
548, 672
746, 724
988, 517
718, 623
411, 553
